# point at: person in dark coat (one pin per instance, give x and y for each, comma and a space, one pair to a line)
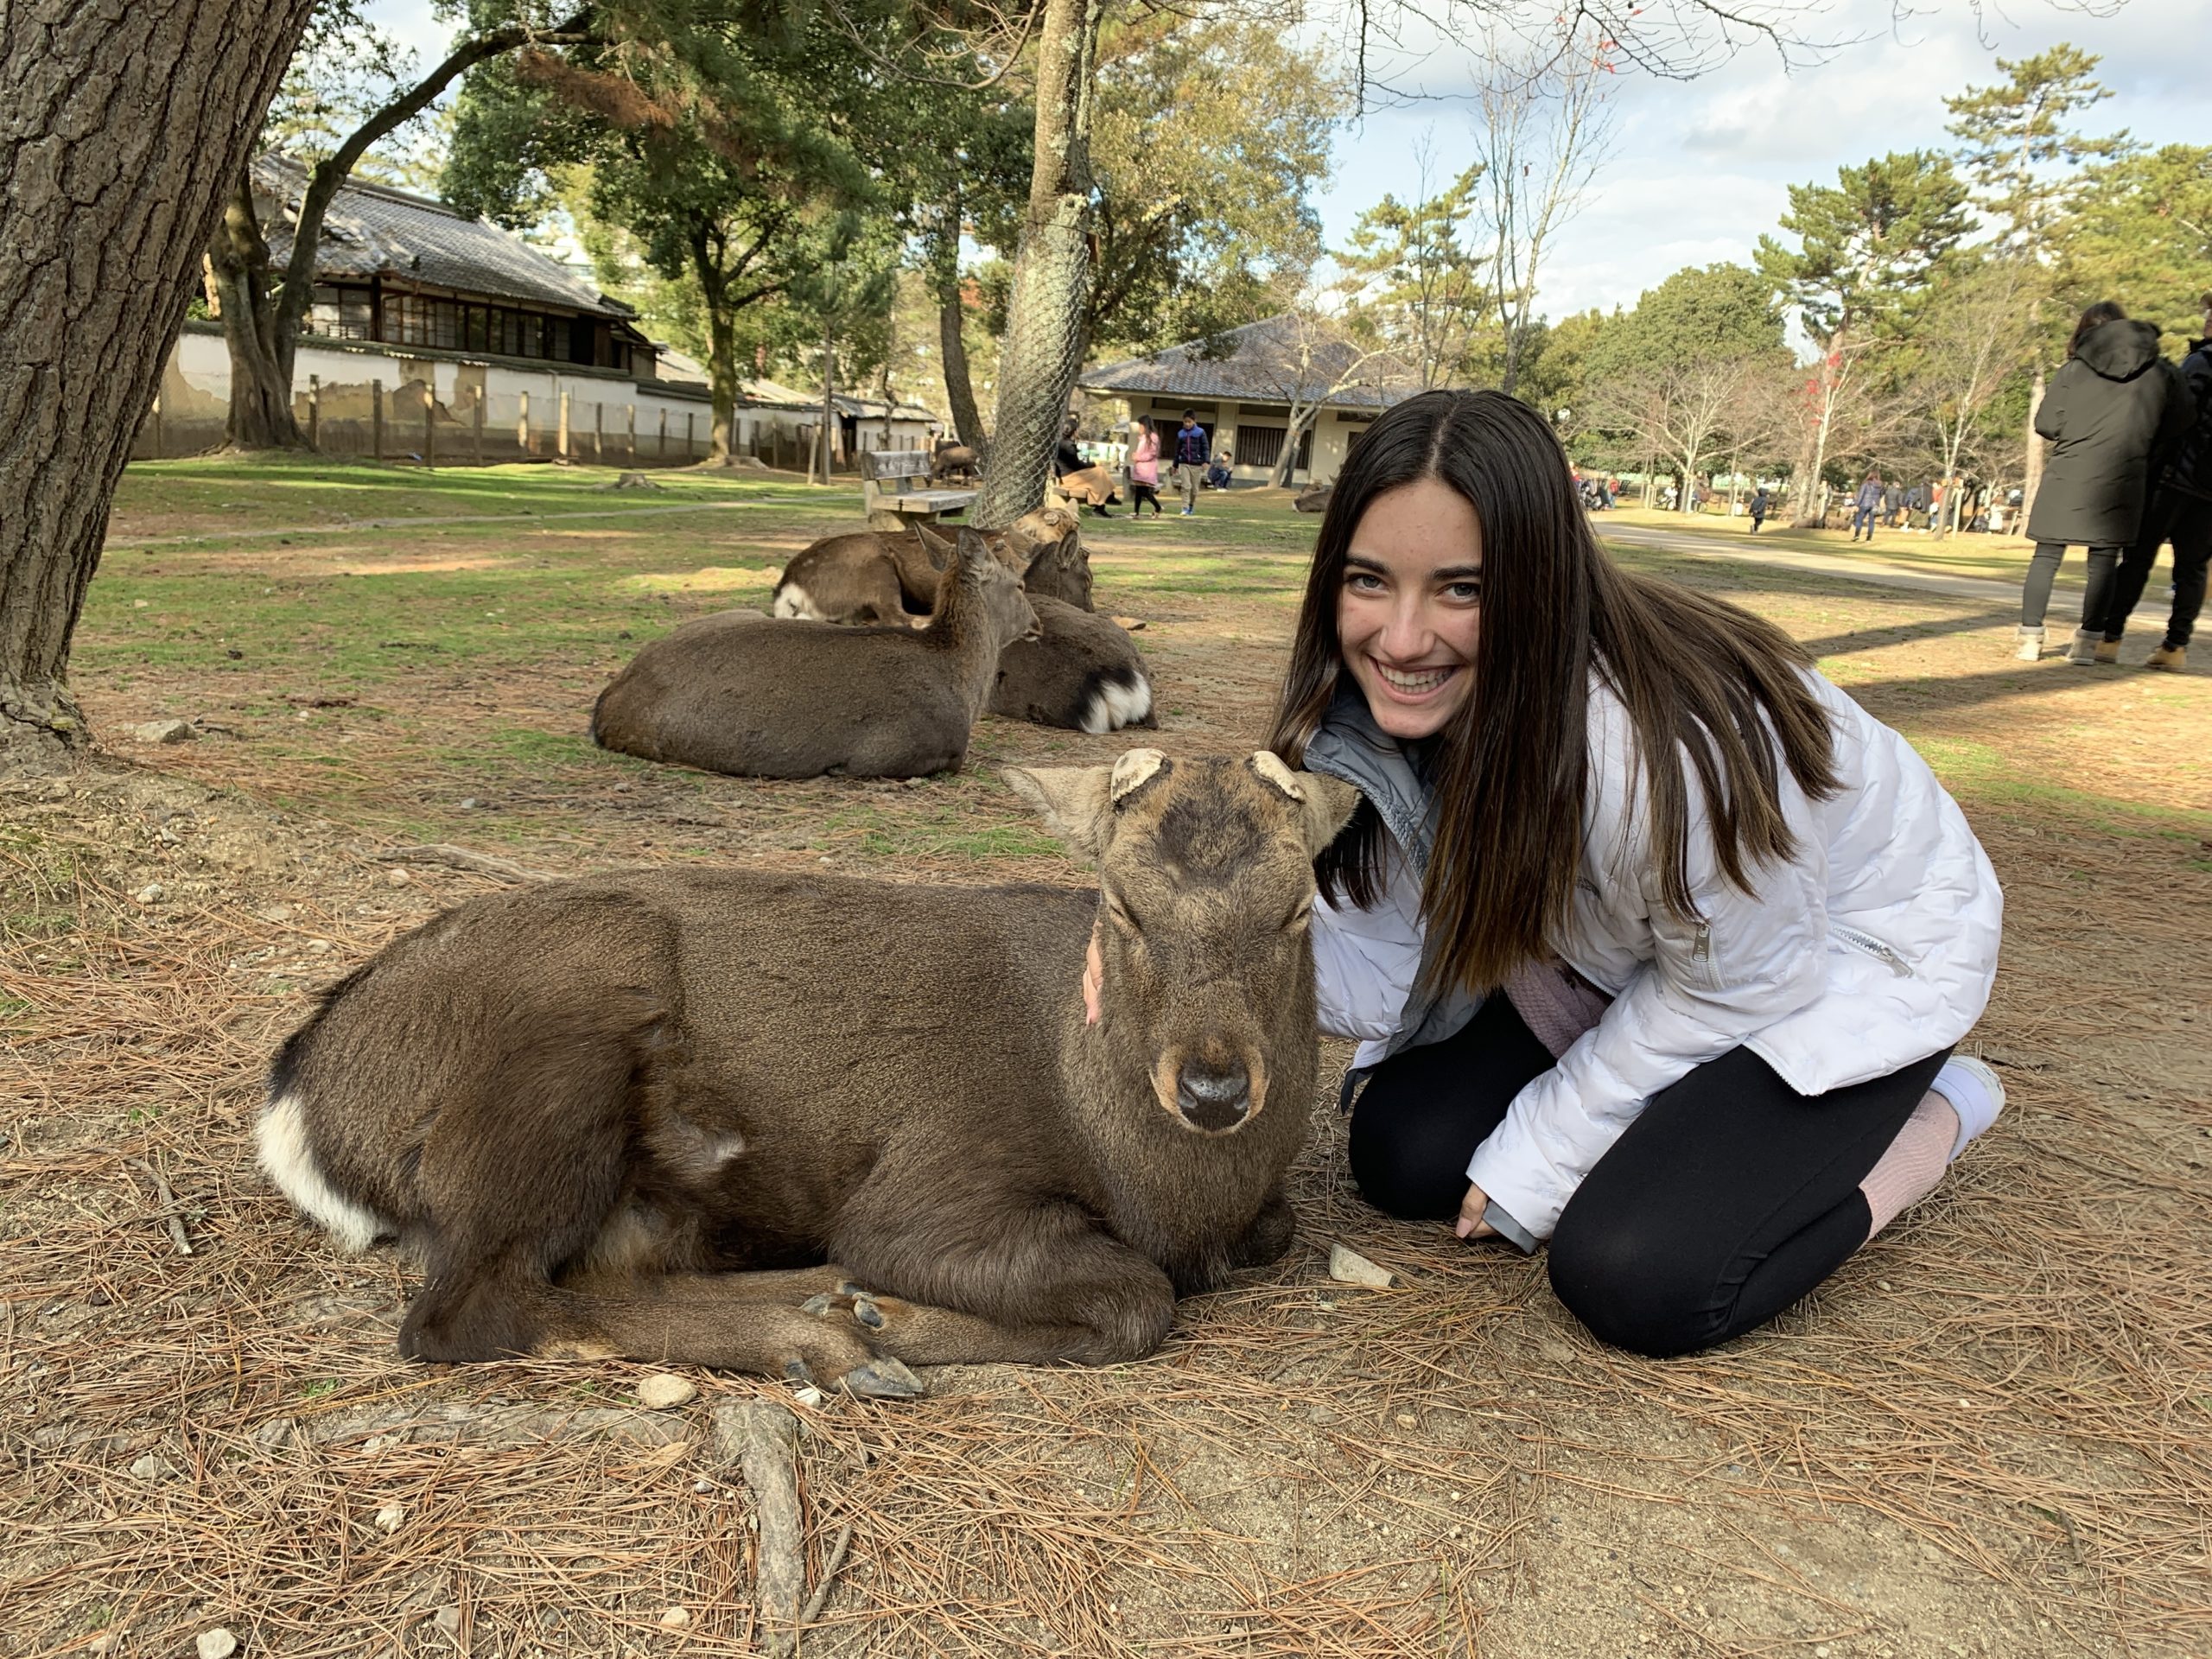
2113, 402
2180, 511
1760, 501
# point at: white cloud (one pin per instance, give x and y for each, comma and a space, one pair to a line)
1702, 168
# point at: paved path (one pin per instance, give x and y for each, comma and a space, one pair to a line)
2065, 606
410, 521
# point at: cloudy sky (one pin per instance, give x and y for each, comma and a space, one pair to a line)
1699, 168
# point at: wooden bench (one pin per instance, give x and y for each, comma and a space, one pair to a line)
895, 490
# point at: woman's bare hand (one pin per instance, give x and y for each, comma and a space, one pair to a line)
1094, 971
1471, 1223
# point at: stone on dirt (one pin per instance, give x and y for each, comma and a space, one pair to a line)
217, 1643
664, 1389
164, 731
392, 1517
1348, 1266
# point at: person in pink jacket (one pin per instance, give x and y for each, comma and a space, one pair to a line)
1144, 468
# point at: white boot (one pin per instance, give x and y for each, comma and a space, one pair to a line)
2083, 651
2030, 648
1976, 1094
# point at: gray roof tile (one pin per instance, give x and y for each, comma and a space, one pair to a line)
370, 230
1260, 362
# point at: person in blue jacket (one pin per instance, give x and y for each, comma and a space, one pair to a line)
1192, 450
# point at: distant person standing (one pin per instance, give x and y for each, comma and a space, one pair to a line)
1758, 508
2180, 510
1866, 504
2113, 403
1144, 468
1192, 453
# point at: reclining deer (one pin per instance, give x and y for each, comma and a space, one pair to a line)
829, 1128
735, 693
1080, 670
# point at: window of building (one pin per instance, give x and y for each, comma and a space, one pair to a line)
341, 313
1261, 445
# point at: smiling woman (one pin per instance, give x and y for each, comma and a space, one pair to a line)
1659, 943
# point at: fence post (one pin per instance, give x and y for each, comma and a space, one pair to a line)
483, 396
522, 425
429, 423
633, 415
599, 430
561, 444
663, 451
315, 411
691, 444
376, 420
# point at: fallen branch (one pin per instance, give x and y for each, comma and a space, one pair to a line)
170, 1205
460, 858
835, 1559
763, 1439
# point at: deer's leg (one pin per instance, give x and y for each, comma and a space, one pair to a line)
1269, 1238
730, 1326
976, 1276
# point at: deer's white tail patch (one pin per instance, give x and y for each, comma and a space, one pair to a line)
287, 1159
1115, 704
794, 603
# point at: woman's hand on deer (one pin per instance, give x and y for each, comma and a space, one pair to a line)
1094, 971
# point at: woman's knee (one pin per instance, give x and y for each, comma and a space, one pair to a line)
1635, 1287
1401, 1170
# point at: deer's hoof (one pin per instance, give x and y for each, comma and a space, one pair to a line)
883, 1378
848, 1299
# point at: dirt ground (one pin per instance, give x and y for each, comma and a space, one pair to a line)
1990, 1434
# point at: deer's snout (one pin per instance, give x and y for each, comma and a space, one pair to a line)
1213, 1096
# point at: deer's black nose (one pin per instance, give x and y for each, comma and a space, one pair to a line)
1213, 1097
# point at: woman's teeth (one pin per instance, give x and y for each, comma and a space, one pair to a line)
1426, 679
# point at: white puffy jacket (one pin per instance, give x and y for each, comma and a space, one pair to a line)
1873, 947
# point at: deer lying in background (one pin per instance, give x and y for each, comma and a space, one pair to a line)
1082, 671
827, 1128
887, 576
730, 694
1315, 497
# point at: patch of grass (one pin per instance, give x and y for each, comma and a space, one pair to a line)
38, 887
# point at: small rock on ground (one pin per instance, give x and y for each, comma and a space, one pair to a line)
1348, 1266
217, 1643
675, 1618
663, 1390
164, 731
392, 1517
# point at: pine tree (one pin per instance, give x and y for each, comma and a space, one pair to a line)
1866, 246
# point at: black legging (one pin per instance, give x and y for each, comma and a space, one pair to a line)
1140, 494
1730, 1196
2186, 521
2042, 568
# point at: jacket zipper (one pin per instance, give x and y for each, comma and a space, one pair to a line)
1701, 949
1873, 947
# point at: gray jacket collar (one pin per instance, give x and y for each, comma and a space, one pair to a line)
1351, 746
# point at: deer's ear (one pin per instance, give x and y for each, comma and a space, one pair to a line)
935, 545
1075, 802
1326, 803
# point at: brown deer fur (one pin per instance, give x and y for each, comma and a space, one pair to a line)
1082, 671
888, 577
816, 1127
808, 700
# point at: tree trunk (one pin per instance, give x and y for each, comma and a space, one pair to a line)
2031, 475
260, 413
1042, 352
121, 127
951, 330
829, 406
721, 358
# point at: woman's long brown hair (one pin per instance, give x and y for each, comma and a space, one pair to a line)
1704, 685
